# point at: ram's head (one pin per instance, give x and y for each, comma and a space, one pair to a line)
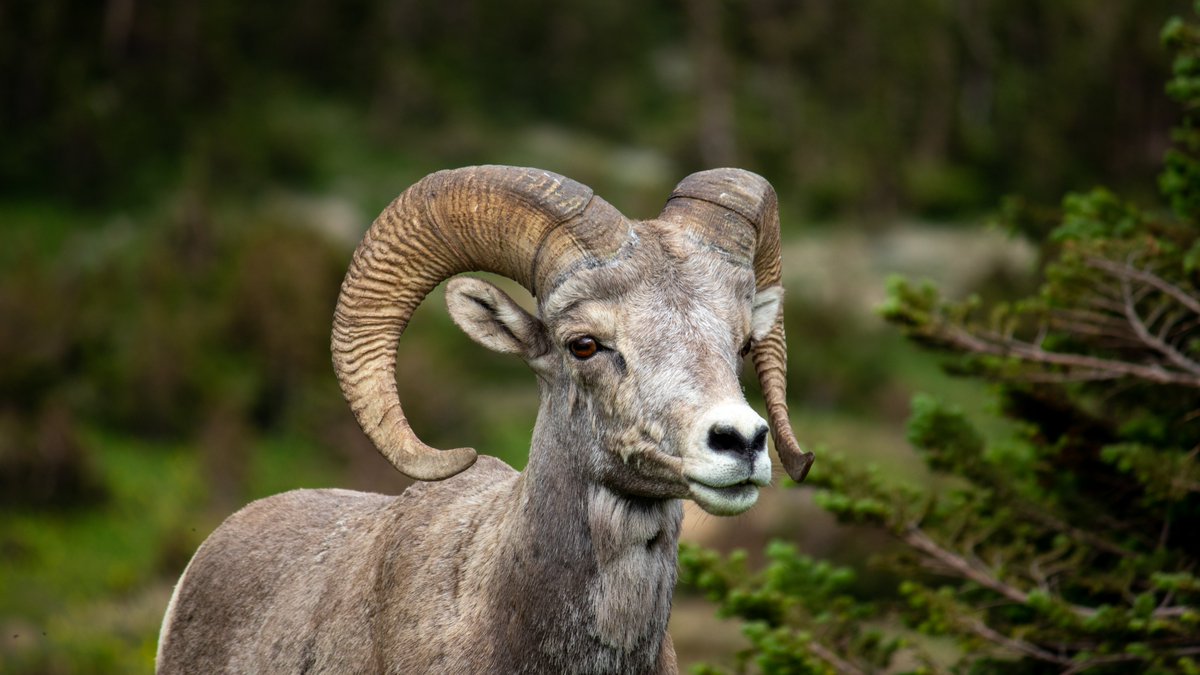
640, 331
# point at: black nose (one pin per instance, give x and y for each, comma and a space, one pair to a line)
722, 438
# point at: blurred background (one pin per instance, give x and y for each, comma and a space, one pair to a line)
182, 184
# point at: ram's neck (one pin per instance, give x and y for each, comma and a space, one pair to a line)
635, 545
588, 574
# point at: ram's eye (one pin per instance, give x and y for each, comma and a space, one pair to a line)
746, 347
584, 347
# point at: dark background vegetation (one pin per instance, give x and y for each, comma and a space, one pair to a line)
181, 184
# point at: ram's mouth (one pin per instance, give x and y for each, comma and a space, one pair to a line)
724, 500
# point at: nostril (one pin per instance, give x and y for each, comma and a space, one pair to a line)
726, 439
723, 438
760, 440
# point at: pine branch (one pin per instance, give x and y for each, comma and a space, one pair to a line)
1086, 367
1113, 315
915, 537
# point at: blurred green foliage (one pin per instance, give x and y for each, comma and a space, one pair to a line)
935, 106
792, 589
1069, 545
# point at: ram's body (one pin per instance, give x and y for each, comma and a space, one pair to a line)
430, 581
568, 567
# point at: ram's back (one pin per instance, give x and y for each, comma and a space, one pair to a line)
306, 581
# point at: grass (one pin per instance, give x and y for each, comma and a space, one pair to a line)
84, 591
72, 571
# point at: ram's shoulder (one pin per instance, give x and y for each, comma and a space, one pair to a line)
487, 477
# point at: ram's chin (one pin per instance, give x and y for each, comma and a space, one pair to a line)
724, 501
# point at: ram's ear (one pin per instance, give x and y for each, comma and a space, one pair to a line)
768, 302
491, 318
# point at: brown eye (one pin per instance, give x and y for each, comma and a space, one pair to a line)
584, 347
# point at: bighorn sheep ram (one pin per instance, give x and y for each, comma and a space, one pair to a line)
570, 566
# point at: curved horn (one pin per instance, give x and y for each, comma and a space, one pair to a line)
719, 203
488, 219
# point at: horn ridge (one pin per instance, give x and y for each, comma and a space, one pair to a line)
483, 218
737, 190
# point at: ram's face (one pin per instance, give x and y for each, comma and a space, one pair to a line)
639, 360
651, 348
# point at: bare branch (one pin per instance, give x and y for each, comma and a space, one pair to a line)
1020, 646
1092, 323
1089, 316
1072, 376
1098, 332
1103, 368
1127, 271
1143, 333
828, 656
1161, 308
1164, 331
917, 538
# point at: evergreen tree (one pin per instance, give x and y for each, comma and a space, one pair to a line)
1072, 546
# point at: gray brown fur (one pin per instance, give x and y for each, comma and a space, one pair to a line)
570, 566
324, 581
